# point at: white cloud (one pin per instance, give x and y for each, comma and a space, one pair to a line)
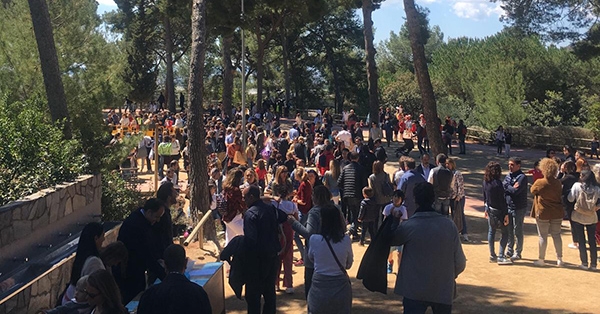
107, 2
476, 10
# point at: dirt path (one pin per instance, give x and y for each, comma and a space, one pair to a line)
483, 287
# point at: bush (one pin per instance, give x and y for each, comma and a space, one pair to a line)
34, 155
118, 199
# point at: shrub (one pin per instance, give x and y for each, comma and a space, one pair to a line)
34, 155
118, 198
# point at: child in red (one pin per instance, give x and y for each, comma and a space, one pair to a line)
261, 172
535, 172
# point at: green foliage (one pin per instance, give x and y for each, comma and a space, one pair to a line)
118, 199
34, 155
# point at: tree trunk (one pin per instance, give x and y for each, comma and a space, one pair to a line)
260, 56
336, 78
422, 73
286, 66
170, 84
55, 92
198, 165
372, 77
227, 73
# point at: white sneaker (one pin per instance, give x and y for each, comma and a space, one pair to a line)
539, 263
573, 246
560, 263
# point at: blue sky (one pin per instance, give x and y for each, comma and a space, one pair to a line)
456, 18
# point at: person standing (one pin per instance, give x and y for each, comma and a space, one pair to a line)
568, 177
351, 182
432, 259
496, 211
331, 253
547, 210
499, 140
136, 234
507, 143
234, 204
407, 184
441, 179
182, 102
457, 201
515, 190
462, 135
176, 294
261, 244
425, 167
586, 195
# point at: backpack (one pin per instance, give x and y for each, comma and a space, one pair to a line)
587, 201
222, 206
387, 188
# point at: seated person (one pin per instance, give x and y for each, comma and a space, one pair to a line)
77, 305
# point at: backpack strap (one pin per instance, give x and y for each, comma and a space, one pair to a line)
335, 257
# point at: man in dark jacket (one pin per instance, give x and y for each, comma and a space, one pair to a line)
425, 167
261, 223
515, 189
175, 294
380, 153
136, 234
351, 182
441, 179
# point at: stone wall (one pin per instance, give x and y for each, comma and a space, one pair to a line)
42, 292
32, 219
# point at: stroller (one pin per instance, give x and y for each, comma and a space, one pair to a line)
406, 149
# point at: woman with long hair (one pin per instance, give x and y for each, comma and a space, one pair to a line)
304, 200
548, 210
330, 179
90, 243
585, 194
235, 205
457, 202
321, 197
377, 181
330, 250
103, 293
496, 211
281, 179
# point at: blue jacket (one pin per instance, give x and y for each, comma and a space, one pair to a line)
408, 181
516, 199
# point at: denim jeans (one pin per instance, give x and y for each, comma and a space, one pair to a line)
299, 244
591, 232
515, 230
462, 145
416, 307
551, 227
353, 205
442, 206
492, 238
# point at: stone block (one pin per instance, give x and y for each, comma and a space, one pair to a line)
41, 301
5, 219
34, 288
16, 215
33, 209
79, 202
62, 190
11, 305
71, 190
62, 204
89, 196
44, 285
26, 210
21, 229
68, 207
42, 209
40, 222
6, 236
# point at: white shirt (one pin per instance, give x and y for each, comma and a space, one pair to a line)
286, 206
391, 209
426, 172
323, 259
397, 176
345, 136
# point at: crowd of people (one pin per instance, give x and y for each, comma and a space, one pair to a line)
321, 187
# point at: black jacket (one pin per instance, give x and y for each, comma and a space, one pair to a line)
136, 234
516, 198
352, 180
419, 169
369, 210
162, 231
380, 154
233, 253
373, 267
175, 295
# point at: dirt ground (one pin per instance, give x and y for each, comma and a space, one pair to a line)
483, 287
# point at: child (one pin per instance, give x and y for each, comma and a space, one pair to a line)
595, 146
368, 215
535, 172
261, 172
78, 304
398, 211
286, 256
